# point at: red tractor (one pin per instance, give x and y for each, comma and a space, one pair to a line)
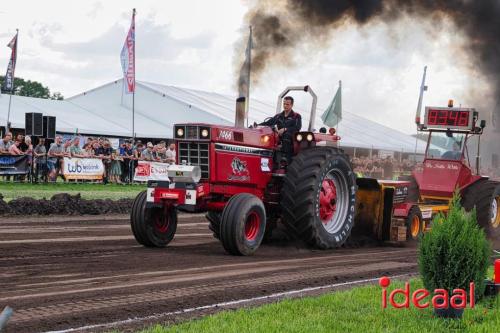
234, 174
447, 167
403, 210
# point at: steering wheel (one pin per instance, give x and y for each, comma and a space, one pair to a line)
266, 119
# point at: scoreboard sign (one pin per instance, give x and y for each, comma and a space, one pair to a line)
449, 118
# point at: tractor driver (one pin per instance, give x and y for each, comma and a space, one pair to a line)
288, 123
455, 154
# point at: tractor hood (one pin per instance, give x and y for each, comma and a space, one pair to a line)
257, 137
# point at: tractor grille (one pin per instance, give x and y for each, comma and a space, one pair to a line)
195, 153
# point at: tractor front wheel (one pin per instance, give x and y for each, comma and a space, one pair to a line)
414, 225
152, 227
242, 224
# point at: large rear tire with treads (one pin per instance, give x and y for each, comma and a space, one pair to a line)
243, 224
318, 197
484, 195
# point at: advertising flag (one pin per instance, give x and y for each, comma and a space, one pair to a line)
333, 114
9, 76
128, 58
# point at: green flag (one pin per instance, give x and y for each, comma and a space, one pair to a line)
333, 113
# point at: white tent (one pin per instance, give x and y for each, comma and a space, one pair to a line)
106, 110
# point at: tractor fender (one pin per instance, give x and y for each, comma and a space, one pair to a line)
402, 209
474, 180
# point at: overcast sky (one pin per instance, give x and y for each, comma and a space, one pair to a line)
73, 46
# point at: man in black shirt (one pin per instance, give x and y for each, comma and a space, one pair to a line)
22, 146
288, 123
104, 152
128, 155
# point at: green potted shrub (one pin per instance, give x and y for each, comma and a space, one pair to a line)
453, 254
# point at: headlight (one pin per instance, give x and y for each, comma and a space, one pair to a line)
204, 133
309, 137
299, 137
180, 132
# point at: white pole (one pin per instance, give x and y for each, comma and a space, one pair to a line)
135, 86
338, 121
423, 88
7, 127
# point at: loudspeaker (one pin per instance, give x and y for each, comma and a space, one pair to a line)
49, 127
34, 124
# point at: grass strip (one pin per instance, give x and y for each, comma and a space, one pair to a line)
355, 310
12, 191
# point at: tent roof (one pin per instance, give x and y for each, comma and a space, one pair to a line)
105, 110
355, 130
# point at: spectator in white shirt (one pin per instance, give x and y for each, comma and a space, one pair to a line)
170, 153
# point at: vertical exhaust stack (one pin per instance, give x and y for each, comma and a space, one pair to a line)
239, 120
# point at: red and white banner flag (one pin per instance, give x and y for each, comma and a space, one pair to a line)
8, 84
128, 58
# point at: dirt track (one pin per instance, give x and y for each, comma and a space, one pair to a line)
70, 272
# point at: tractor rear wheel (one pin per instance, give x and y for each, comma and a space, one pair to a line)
318, 197
414, 224
243, 224
213, 218
152, 227
485, 196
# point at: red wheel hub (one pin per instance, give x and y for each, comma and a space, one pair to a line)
162, 220
327, 200
252, 226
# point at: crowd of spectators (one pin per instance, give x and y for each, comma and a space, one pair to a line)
381, 168
21, 145
119, 164
391, 168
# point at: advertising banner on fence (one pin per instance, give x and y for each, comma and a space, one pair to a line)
14, 165
151, 171
83, 168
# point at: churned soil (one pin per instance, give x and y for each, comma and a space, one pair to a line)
64, 204
62, 272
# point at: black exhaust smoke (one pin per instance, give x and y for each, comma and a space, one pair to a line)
280, 25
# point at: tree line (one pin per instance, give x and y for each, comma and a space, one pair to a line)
30, 88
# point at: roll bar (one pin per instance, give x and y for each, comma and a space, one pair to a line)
300, 88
